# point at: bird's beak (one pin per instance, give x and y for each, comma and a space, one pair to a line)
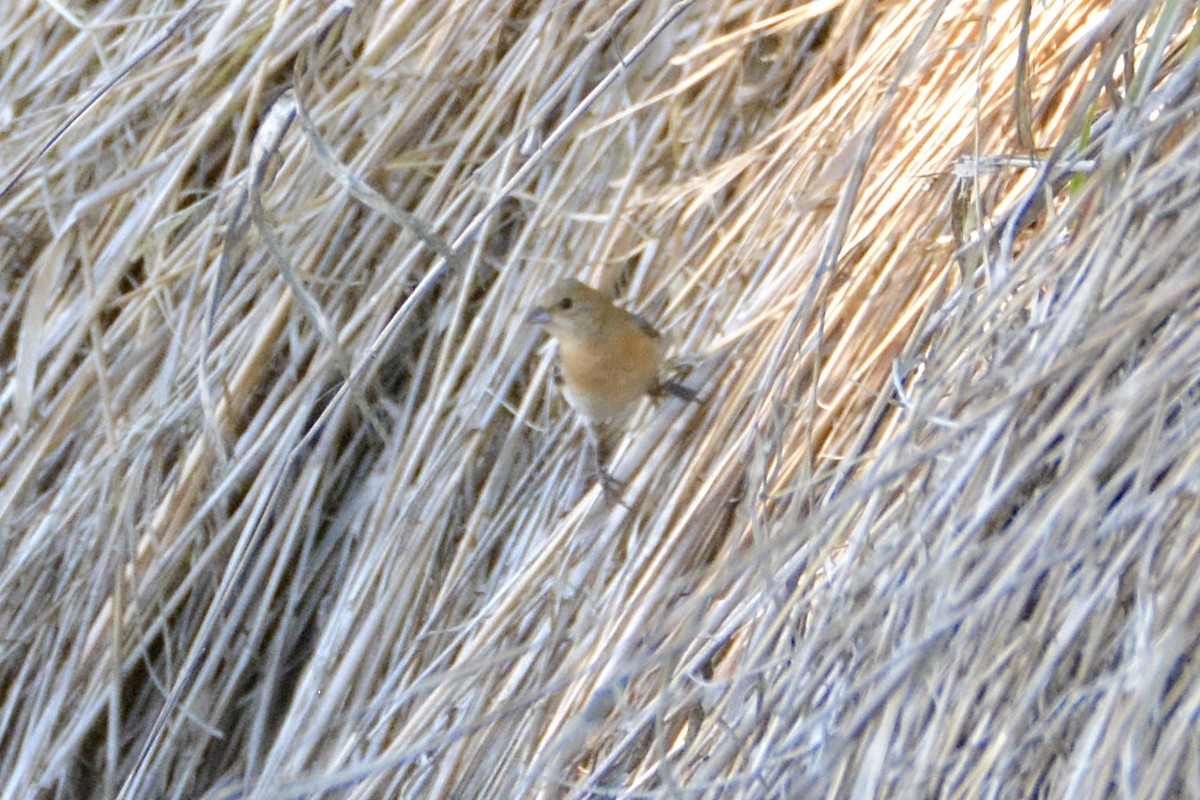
539, 316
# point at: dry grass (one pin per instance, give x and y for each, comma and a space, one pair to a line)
931, 533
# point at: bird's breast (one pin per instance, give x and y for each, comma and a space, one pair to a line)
604, 379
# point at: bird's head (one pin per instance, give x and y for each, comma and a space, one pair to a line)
570, 308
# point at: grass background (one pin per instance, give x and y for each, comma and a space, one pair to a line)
289, 506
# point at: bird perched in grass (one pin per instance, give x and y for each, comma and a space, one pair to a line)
608, 359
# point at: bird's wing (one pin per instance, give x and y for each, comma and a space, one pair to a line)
646, 327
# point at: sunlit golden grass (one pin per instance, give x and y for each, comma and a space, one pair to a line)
290, 506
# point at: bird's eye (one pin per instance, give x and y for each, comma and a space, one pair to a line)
565, 304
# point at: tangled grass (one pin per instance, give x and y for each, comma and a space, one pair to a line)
289, 506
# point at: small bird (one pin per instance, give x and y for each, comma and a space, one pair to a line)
608, 359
